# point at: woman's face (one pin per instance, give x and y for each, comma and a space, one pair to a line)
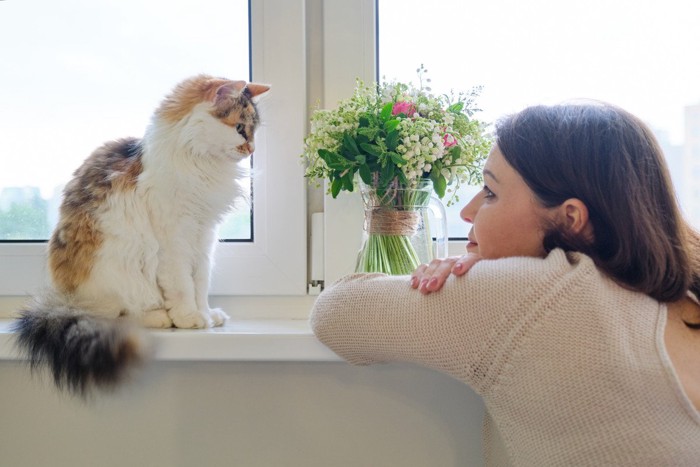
506, 218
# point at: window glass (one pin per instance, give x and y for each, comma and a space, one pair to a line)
78, 73
641, 56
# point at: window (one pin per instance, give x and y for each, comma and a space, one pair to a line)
83, 73
523, 53
640, 56
63, 95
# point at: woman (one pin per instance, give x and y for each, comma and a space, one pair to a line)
577, 322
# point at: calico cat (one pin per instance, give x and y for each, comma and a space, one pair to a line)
136, 233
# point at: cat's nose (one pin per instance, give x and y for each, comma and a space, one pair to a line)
246, 148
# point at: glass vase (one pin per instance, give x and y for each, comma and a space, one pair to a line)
403, 228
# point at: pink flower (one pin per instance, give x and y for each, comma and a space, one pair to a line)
448, 140
403, 107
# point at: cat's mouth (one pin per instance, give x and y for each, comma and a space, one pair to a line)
246, 149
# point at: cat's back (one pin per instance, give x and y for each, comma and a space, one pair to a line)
111, 170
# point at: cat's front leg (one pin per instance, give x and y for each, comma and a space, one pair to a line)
175, 278
202, 274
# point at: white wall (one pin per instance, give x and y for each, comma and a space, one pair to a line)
201, 414
245, 414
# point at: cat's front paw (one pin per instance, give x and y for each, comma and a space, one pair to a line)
189, 319
218, 316
156, 319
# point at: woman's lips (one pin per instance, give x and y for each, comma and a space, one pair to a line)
472, 247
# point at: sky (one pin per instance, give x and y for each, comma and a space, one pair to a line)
642, 55
77, 73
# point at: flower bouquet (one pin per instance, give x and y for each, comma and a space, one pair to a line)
397, 138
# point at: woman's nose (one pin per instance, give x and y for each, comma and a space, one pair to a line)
469, 210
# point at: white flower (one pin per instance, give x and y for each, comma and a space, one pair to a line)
420, 142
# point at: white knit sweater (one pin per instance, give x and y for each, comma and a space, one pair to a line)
572, 367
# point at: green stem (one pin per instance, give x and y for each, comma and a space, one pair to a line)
389, 254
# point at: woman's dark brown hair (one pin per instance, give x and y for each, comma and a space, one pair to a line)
610, 160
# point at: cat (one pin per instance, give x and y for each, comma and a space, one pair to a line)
135, 236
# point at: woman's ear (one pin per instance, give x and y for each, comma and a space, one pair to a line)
574, 218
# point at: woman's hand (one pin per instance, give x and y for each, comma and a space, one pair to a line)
431, 277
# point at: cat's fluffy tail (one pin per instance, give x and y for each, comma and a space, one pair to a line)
83, 352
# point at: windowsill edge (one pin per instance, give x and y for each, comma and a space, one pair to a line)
271, 340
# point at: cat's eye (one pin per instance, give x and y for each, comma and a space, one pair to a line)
240, 128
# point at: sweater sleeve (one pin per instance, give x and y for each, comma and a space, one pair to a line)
466, 329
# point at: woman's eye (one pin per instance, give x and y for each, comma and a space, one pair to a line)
487, 192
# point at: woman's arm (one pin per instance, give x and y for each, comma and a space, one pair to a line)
370, 318
462, 330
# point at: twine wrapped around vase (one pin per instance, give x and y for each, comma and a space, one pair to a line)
391, 221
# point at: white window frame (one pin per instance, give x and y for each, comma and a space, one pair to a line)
348, 54
275, 262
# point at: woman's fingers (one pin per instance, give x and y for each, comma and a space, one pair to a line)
431, 277
465, 263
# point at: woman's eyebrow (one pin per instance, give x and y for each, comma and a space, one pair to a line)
490, 174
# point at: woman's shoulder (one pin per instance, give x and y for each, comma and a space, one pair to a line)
557, 264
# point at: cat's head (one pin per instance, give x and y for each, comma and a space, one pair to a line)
218, 114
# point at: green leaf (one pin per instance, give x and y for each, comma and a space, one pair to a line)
439, 183
456, 107
392, 140
361, 159
350, 144
372, 149
361, 138
386, 111
347, 181
369, 133
392, 124
396, 159
402, 178
363, 121
333, 160
366, 174
387, 174
336, 186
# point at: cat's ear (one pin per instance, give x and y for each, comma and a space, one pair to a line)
225, 90
255, 91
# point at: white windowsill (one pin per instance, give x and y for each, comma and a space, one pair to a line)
239, 340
